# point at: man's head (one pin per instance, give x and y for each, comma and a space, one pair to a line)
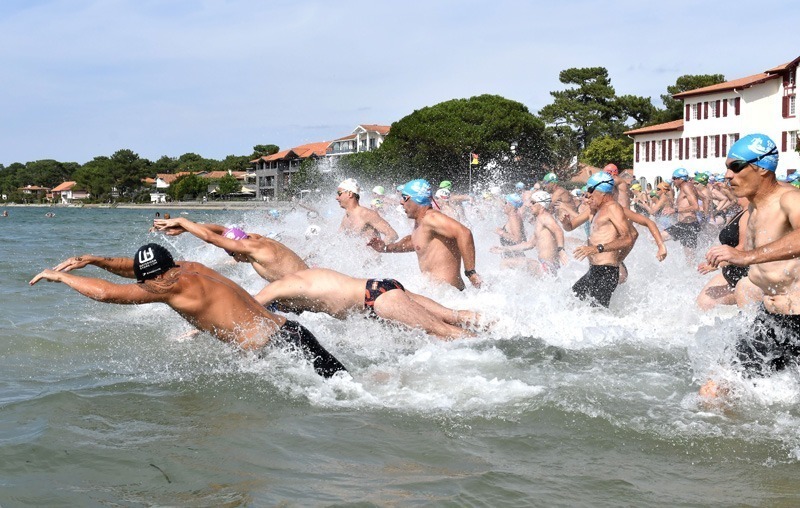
416, 194
378, 190
680, 174
599, 185
443, 194
150, 261
611, 169
234, 234
446, 184
347, 190
663, 186
514, 201
549, 181
751, 162
519, 186
540, 200
701, 178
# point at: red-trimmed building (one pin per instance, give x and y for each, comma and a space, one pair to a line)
715, 117
274, 172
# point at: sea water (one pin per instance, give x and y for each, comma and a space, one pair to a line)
559, 404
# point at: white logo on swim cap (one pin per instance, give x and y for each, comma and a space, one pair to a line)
146, 255
757, 146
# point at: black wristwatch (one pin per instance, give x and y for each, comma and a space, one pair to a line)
559, 248
600, 247
470, 273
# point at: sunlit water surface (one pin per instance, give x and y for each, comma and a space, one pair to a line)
559, 404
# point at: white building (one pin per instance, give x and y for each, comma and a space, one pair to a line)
717, 116
364, 138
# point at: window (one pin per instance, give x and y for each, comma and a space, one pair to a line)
713, 107
693, 146
792, 105
658, 151
678, 147
695, 111
791, 141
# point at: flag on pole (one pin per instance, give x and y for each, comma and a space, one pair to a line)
473, 159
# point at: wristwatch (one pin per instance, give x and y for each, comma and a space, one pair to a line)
470, 273
600, 247
559, 248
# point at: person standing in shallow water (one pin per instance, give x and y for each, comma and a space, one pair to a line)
772, 251
359, 220
609, 237
203, 297
441, 242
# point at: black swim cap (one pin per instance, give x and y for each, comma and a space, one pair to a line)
151, 260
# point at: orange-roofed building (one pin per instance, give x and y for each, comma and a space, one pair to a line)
274, 172
68, 192
715, 117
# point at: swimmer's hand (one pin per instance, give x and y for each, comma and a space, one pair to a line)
49, 275
171, 227
720, 253
563, 258
475, 280
496, 250
584, 251
74, 263
661, 255
377, 244
705, 268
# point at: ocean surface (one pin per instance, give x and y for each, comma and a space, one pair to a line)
559, 404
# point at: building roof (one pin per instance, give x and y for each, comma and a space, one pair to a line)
783, 67
345, 138
213, 175
34, 188
171, 177
299, 152
380, 129
675, 125
64, 186
747, 82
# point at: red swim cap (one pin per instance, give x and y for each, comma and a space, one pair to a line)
611, 169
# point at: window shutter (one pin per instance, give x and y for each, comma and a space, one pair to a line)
737, 105
716, 145
783, 141
686, 150
725, 108
688, 116
725, 145
705, 147
663, 149
705, 111
680, 149
669, 148
785, 106
716, 112
637, 151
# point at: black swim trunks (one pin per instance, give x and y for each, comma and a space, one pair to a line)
733, 274
774, 343
685, 232
325, 364
374, 289
599, 284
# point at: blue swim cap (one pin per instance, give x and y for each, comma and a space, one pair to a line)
600, 181
514, 200
520, 186
419, 191
758, 148
793, 177
680, 174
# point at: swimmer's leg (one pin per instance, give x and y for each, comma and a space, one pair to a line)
463, 318
716, 292
397, 305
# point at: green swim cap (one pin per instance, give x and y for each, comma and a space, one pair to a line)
446, 184
701, 178
550, 177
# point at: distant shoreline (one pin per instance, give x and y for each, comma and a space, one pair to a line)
181, 205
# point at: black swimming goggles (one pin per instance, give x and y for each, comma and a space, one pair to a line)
591, 189
738, 165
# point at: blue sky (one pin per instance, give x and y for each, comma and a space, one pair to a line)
82, 78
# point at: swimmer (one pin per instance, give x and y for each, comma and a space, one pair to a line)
772, 251
687, 228
440, 242
609, 237
621, 186
202, 296
358, 219
558, 194
270, 258
513, 232
338, 295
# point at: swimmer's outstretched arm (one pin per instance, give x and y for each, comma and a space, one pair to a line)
569, 220
118, 266
652, 227
102, 290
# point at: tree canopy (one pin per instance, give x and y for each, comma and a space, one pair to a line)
674, 107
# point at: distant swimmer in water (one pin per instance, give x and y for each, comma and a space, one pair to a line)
270, 258
547, 238
338, 295
5, 213
440, 242
358, 219
609, 237
202, 296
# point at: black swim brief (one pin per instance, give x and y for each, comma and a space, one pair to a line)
733, 274
685, 232
374, 289
774, 343
599, 284
325, 364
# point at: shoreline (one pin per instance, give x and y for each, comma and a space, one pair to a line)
181, 205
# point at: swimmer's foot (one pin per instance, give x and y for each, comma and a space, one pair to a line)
475, 321
188, 335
